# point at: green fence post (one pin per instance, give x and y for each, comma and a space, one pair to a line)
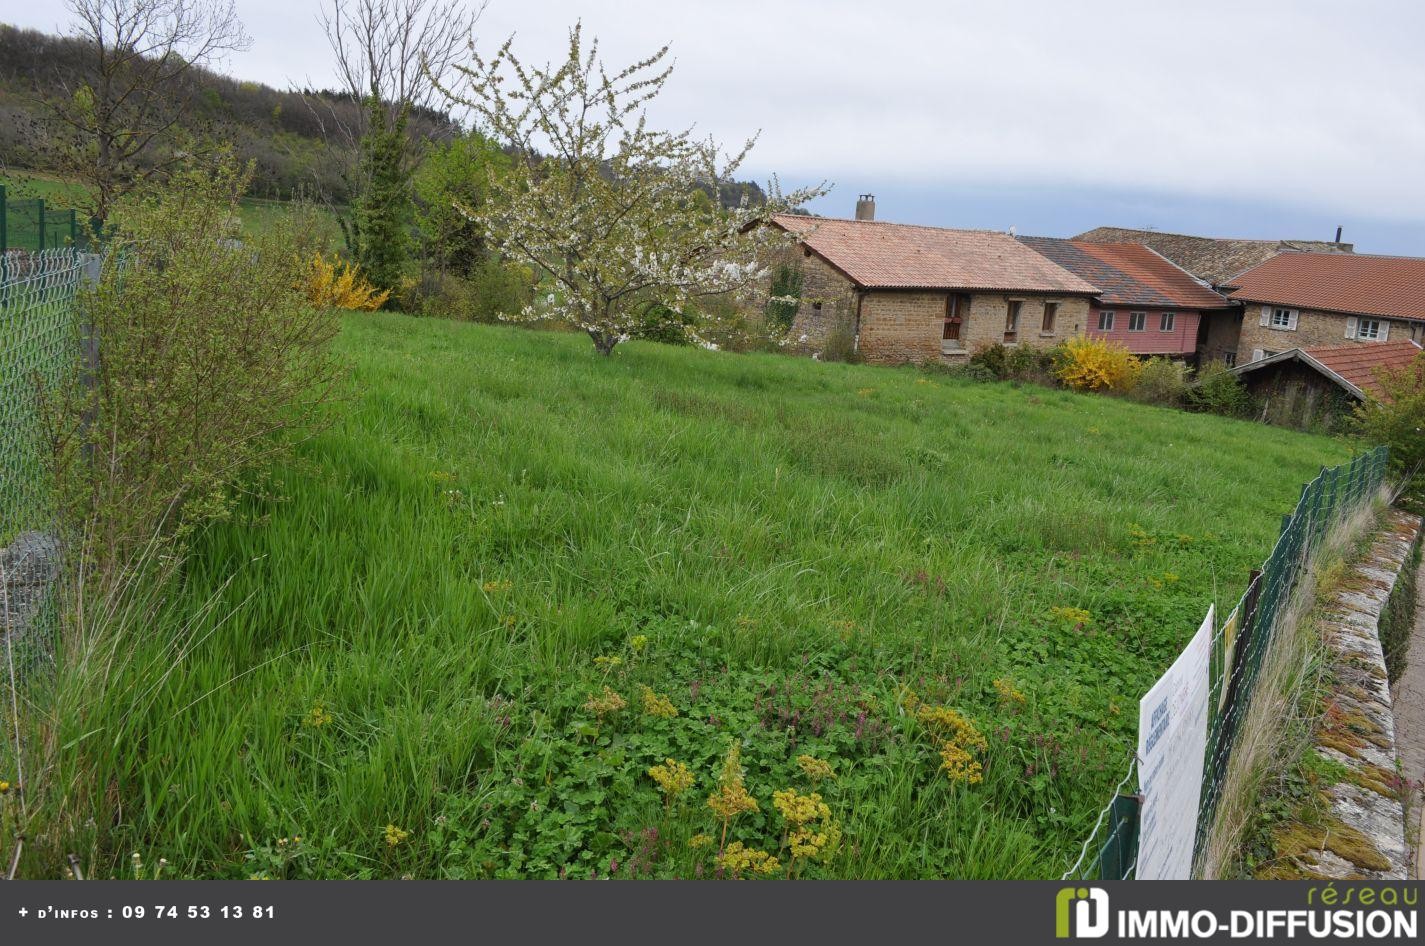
40, 203
4, 228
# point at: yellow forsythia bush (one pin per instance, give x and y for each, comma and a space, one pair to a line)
1096, 364
338, 285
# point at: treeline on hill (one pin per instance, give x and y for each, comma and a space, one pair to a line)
291, 137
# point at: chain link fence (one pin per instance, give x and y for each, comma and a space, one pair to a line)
40, 348
1239, 647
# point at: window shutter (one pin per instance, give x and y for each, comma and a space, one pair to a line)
1384, 330
1258, 354
1291, 323
1351, 326
1266, 316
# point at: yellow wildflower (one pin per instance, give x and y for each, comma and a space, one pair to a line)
496, 586
601, 704
673, 777
1071, 615
608, 662
317, 717
655, 704
1008, 692
953, 726
814, 768
958, 764
738, 860
637, 642
4, 787
394, 835
865, 392
797, 810
731, 798
700, 840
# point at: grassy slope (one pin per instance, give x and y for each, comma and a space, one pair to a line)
784, 532
60, 194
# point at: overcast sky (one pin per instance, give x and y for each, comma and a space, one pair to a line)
1246, 118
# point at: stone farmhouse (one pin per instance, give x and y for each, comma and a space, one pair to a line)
1145, 302
1311, 300
917, 294
909, 293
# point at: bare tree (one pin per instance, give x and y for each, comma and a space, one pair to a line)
118, 121
394, 51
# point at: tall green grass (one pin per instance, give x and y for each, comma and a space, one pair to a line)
492, 509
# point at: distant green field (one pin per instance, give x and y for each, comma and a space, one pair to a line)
257, 214
405, 662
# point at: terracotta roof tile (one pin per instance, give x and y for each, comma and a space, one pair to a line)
878, 255
1211, 258
1368, 285
1129, 274
1361, 363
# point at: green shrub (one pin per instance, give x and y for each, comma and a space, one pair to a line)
1162, 381
840, 344
209, 349
493, 289
992, 358
1216, 390
1397, 419
971, 371
786, 294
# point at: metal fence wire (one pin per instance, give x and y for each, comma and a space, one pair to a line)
40, 345
1239, 646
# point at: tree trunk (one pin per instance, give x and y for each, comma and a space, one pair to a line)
604, 342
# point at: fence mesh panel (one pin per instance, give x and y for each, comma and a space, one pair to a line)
39, 348
1239, 645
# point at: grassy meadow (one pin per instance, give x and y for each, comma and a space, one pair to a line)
257, 214
952, 594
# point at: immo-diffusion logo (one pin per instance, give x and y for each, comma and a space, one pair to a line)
1351, 914
1089, 913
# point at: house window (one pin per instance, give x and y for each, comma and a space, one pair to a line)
1166, 325
1051, 309
1417, 332
956, 308
1137, 321
1011, 321
1283, 318
1229, 358
1105, 321
1368, 328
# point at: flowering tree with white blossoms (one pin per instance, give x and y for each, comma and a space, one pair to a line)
616, 213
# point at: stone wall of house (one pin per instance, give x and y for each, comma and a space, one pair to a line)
828, 300
907, 326
1224, 334
1313, 330
901, 326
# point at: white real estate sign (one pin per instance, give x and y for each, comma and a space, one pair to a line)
1172, 743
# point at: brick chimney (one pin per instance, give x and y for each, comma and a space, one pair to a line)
866, 207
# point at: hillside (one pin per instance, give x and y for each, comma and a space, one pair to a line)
284, 133
405, 663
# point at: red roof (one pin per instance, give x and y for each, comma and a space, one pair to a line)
877, 255
1391, 286
1362, 363
1129, 274
1358, 367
